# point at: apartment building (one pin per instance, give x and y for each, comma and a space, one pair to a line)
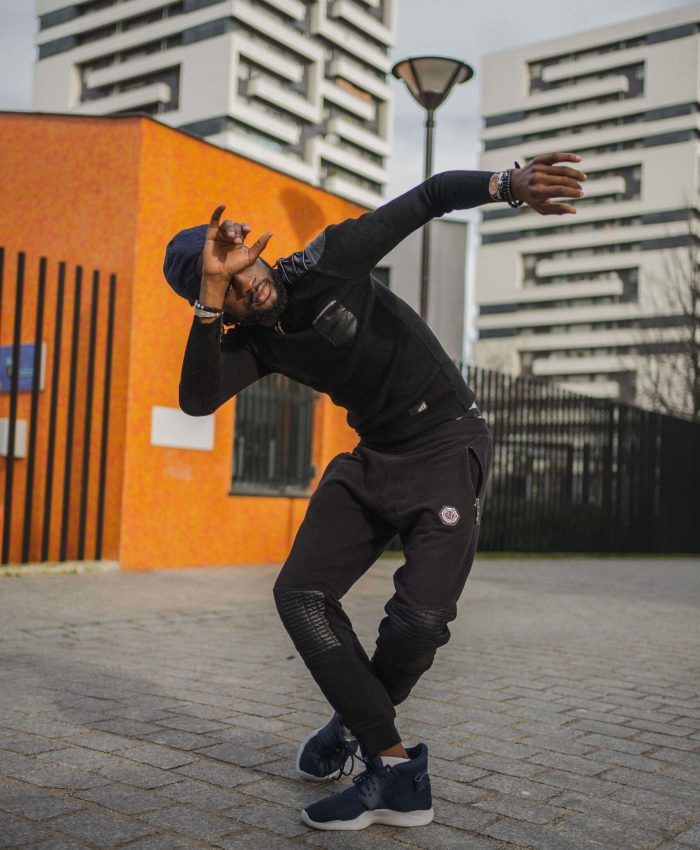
587, 300
299, 85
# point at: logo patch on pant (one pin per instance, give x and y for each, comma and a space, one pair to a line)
449, 515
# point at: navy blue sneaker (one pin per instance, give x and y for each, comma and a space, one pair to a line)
324, 753
398, 795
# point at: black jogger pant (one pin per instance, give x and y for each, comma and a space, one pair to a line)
430, 492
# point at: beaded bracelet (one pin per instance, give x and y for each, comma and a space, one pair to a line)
506, 191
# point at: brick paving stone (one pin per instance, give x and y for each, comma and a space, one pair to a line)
104, 830
204, 796
141, 775
192, 823
651, 799
661, 728
279, 819
529, 835
127, 728
34, 805
517, 786
28, 744
560, 743
501, 764
656, 740
80, 758
606, 742
615, 730
368, 839
224, 775
653, 819
237, 754
50, 776
574, 782
455, 792
664, 784
59, 844
103, 741
610, 834
123, 799
691, 836
15, 832
157, 756
459, 816
439, 837
256, 840
572, 764
164, 842
522, 809
193, 724
179, 740
640, 763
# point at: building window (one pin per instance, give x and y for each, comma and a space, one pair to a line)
273, 437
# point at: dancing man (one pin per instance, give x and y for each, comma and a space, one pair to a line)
419, 470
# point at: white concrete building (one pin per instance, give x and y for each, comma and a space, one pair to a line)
299, 85
585, 299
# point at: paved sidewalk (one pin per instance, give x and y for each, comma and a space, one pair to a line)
162, 711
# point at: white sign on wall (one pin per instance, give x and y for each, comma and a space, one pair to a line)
172, 428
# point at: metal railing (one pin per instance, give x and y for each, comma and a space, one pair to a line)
574, 474
273, 438
63, 411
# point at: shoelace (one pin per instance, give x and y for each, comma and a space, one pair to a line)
348, 754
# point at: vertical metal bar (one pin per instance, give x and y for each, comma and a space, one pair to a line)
34, 413
87, 430
71, 414
53, 412
104, 441
12, 421
2, 277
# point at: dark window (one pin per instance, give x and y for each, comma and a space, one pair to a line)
273, 437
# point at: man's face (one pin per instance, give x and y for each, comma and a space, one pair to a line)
256, 296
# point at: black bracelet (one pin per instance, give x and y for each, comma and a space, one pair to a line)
508, 195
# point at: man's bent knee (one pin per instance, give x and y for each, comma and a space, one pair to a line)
303, 614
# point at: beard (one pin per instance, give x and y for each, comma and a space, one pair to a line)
269, 315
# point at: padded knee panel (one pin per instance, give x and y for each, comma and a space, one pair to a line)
419, 629
303, 613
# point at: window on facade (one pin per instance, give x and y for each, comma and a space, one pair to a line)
273, 438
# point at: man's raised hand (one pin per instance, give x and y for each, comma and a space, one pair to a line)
541, 180
225, 253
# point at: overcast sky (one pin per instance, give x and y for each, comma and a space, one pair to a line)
464, 29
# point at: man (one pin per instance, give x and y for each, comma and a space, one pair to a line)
419, 469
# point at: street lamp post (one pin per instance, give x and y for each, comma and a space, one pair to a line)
430, 79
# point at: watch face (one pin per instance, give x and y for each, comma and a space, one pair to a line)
493, 185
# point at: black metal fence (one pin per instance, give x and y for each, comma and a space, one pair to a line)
273, 438
58, 486
578, 474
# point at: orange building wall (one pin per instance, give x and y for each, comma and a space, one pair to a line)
68, 187
109, 193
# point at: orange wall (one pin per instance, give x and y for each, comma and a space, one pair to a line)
108, 194
69, 187
176, 506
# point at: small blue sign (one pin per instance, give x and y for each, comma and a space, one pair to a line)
26, 368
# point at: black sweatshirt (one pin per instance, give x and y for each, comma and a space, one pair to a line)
343, 332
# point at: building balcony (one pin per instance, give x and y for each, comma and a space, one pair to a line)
547, 367
594, 64
274, 93
617, 84
349, 160
361, 137
366, 109
358, 76
257, 118
348, 11
560, 292
128, 101
592, 263
352, 192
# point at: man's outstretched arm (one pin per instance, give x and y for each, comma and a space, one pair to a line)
355, 246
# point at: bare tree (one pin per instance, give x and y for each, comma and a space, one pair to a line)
669, 374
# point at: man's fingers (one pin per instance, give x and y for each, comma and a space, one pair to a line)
551, 158
233, 231
560, 190
565, 171
259, 246
548, 208
214, 221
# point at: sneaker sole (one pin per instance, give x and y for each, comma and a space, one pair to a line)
421, 817
310, 776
